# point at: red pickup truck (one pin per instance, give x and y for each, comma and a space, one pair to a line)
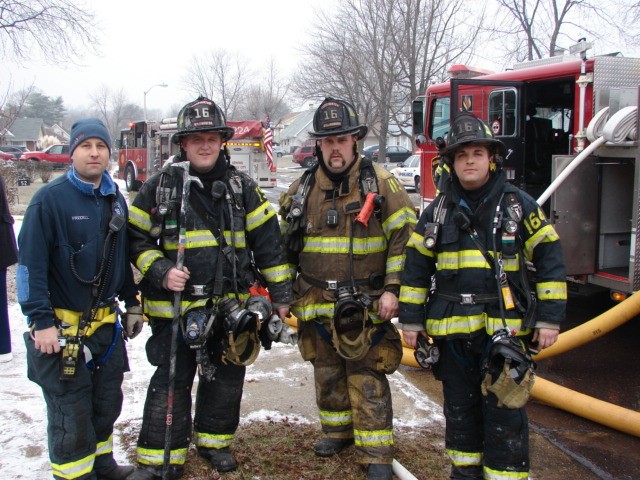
58, 154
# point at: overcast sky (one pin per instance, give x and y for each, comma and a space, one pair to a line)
148, 42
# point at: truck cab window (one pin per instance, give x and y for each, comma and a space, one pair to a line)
440, 118
502, 112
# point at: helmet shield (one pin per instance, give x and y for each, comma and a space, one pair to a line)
336, 117
202, 115
468, 129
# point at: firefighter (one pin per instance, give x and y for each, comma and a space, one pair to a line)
228, 225
73, 263
475, 238
346, 224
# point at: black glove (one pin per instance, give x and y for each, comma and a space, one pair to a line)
133, 321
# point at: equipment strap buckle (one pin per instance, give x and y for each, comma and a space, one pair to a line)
467, 299
332, 284
198, 290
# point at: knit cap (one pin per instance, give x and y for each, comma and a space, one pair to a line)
88, 128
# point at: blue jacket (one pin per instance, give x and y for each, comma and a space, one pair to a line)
69, 217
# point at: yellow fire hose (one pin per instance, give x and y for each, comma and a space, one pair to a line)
604, 413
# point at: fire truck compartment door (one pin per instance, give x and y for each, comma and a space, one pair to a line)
575, 214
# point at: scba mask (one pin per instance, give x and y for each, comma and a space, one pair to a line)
508, 371
352, 331
241, 327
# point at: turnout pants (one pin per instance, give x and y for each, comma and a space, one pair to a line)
354, 397
217, 411
81, 412
482, 440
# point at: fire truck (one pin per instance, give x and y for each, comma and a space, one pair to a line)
555, 116
145, 146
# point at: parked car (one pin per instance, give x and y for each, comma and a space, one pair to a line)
305, 156
408, 172
368, 151
395, 154
279, 151
6, 156
14, 150
57, 154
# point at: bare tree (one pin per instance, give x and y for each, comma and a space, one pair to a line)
380, 54
532, 29
221, 76
10, 107
266, 98
114, 108
59, 29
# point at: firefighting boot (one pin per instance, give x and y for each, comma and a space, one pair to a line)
155, 473
379, 471
327, 447
118, 472
220, 458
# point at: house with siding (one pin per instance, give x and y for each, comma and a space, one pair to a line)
26, 132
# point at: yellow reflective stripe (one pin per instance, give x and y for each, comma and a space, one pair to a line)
544, 235
393, 184
415, 295
461, 259
329, 245
210, 440
395, 263
146, 259
328, 417
139, 218
154, 456
551, 290
511, 264
398, 220
164, 308
293, 270
200, 238
417, 241
491, 474
259, 216
105, 447
464, 459
279, 273
238, 238
461, 324
314, 310
104, 316
75, 469
372, 438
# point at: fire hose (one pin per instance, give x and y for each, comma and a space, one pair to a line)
619, 128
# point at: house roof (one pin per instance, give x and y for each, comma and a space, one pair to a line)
27, 129
299, 125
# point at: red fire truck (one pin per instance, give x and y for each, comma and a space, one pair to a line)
550, 113
145, 146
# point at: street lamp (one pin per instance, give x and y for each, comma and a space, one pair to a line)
145, 97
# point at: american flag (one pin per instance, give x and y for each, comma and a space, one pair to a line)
268, 145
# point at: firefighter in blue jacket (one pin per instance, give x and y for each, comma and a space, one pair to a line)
73, 263
482, 311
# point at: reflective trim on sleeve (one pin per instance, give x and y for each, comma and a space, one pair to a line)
146, 259
395, 263
413, 295
259, 216
544, 235
417, 241
404, 216
139, 218
279, 273
551, 290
